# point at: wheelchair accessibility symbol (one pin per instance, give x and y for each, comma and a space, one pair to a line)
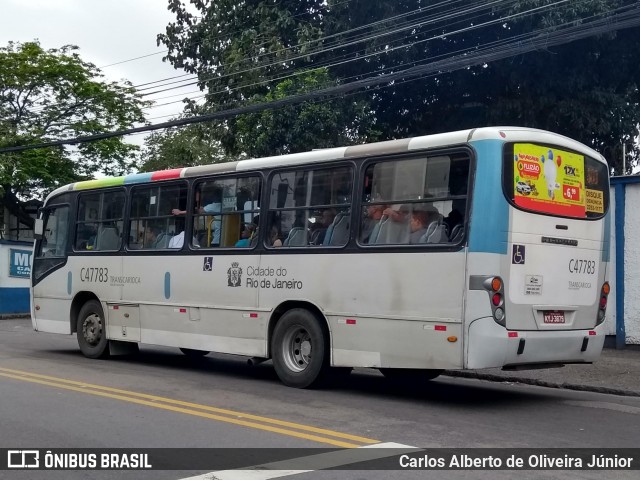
207, 265
518, 255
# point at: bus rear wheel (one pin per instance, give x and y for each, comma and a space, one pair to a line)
190, 352
91, 331
298, 349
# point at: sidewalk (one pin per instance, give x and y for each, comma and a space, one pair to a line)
617, 372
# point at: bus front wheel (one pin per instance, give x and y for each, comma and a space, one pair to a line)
91, 331
298, 349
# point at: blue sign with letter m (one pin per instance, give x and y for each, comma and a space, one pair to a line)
20, 263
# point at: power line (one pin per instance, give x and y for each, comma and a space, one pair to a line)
610, 23
359, 58
233, 32
326, 49
322, 39
431, 19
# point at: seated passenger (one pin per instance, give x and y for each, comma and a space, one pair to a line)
426, 226
245, 236
177, 241
153, 237
373, 216
275, 239
418, 225
326, 220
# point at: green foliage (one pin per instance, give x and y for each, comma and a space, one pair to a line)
586, 89
184, 147
306, 126
224, 44
48, 95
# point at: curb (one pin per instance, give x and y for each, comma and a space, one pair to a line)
542, 383
11, 316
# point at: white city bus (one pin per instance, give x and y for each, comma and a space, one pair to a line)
465, 250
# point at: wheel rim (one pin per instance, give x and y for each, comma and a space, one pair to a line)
92, 329
297, 348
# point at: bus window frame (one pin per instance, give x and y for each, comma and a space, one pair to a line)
507, 157
262, 240
126, 233
125, 223
192, 214
359, 204
62, 260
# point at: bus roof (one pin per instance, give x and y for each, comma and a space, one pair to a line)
461, 137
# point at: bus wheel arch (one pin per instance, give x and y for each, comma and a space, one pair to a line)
293, 324
78, 302
91, 329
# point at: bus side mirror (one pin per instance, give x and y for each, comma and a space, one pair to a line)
38, 229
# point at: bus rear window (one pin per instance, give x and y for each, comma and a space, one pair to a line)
555, 181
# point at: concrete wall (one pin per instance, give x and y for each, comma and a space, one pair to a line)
15, 267
624, 302
611, 318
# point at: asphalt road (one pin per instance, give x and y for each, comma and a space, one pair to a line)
53, 397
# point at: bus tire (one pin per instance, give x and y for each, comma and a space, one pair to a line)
91, 331
410, 374
298, 349
192, 353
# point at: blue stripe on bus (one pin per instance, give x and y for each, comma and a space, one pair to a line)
167, 285
137, 178
489, 210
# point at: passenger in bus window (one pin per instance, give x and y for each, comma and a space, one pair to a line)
275, 239
418, 226
328, 215
245, 236
373, 215
214, 209
153, 237
177, 241
395, 230
397, 213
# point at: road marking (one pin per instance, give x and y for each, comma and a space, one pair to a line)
321, 461
273, 425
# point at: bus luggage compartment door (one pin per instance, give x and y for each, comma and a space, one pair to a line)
123, 322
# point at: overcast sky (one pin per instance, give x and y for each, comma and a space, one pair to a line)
107, 32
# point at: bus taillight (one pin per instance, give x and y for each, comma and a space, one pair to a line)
602, 307
495, 287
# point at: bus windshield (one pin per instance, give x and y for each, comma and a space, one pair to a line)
553, 181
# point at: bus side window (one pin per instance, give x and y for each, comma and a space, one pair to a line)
310, 207
225, 208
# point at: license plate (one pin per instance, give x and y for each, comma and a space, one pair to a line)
553, 316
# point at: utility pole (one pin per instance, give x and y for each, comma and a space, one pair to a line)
624, 158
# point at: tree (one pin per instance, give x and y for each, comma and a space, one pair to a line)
586, 89
183, 147
225, 43
255, 50
306, 126
50, 95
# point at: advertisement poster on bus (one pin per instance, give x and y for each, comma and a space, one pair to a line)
549, 180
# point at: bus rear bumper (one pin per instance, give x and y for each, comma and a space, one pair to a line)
492, 346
